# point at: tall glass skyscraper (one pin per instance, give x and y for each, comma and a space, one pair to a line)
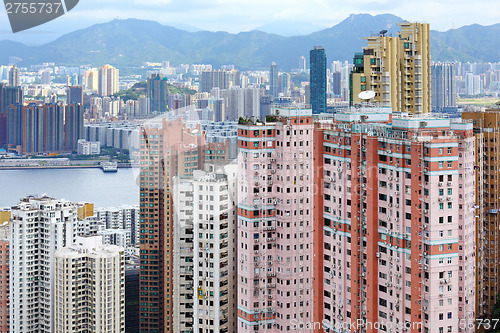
318, 80
273, 80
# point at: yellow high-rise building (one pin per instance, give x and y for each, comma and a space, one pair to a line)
397, 69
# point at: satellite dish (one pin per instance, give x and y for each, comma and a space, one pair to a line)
366, 95
383, 32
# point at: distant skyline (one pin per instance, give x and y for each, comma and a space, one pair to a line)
243, 15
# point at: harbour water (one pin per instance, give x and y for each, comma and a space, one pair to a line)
83, 185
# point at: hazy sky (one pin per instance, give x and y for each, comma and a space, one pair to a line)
244, 15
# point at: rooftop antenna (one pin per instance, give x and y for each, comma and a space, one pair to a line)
383, 32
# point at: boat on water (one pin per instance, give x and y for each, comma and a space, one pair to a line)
109, 166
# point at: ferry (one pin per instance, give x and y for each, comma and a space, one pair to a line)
109, 166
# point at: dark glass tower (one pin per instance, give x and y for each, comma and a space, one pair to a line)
318, 80
273, 80
157, 89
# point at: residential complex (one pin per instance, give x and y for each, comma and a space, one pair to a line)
390, 237
4, 277
396, 68
205, 251
38, 228
108, 81
275, 222
167, 150
89, 291
47, 128
487, 135
157, 92
397, 209
443, 83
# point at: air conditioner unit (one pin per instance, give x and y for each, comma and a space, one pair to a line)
450, 183
450, 198
390, 177
425, 211
396, 179
397, 206
440, 184
273, 171
331, 179
273, 160
440, 199
377, 255
388, 151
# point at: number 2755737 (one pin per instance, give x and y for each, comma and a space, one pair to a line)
33, 8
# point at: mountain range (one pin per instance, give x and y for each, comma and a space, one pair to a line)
131, 42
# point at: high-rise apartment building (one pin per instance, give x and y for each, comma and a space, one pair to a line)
397, 247
14, 75
397, 69
89, 287
75, 95
157, 91
393, 223
487, 133
317, 78
91, 79
44, 128
36, 128
9, 95
444, 91
275, 222
39, 227
46, 77
222, 79
108, 81
166, 150
302, 64
4, 278
474, 85
242, 102
337, 83
205, 251
73, 126
285, 84
273, 80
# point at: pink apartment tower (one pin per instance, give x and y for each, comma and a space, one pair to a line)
275, 222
